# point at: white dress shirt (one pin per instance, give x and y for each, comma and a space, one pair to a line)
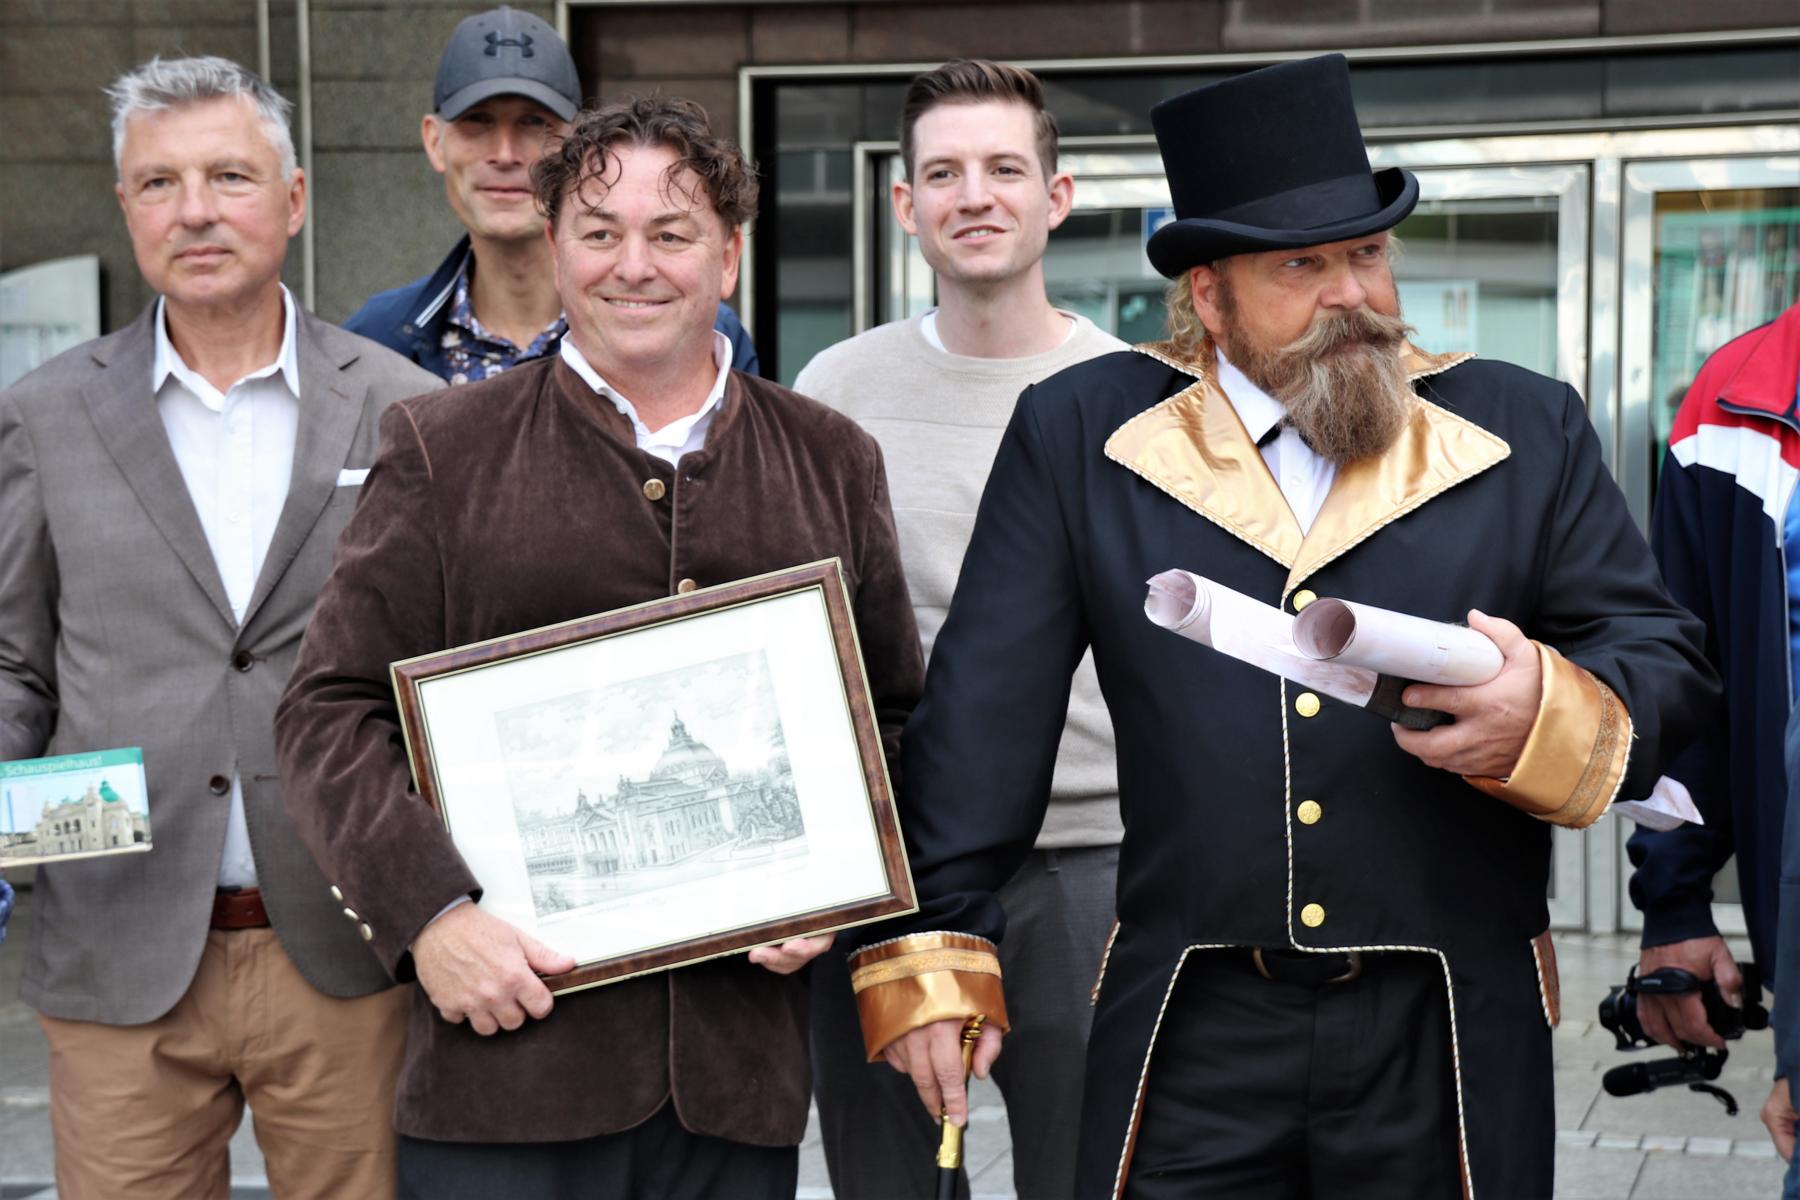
236, 454
678, 437
1303, 476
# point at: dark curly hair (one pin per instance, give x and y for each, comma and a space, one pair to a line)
587, 153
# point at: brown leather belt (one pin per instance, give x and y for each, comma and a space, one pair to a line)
239, 909
1306, 968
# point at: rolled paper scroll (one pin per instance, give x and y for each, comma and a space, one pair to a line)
1212, 614
1360, 654
1394, 643
1208, 612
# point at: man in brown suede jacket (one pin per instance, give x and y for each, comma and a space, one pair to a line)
634, 465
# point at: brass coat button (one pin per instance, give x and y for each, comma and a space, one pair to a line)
368, 935
654, 489
1309, 812
685, 586
337, 893
1312, 916
1304, 597
1306, 704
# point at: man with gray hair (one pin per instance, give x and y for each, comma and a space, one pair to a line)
170, 495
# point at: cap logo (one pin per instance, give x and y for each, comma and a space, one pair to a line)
495, 41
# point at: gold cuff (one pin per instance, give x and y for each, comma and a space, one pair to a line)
908, 982
1574, 758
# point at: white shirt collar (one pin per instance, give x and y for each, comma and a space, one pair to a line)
1259, 411
168, 360
676, 433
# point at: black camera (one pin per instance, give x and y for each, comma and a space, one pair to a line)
1695, 1066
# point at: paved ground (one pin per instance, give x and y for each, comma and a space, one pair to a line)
1671, 1145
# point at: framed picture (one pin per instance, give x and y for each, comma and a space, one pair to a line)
666, 783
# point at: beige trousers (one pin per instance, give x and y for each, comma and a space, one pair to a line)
145, 1112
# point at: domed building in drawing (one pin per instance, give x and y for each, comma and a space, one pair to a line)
689, 803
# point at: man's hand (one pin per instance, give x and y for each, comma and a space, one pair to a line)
1492, 718
792, 954
476, 966
1779, 1115
1673, 1020
932, 1056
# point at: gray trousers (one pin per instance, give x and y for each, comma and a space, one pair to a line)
880, 1144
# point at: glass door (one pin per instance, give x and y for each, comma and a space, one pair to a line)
1494, 260
1712, 250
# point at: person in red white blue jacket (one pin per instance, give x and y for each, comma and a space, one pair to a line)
1726, 529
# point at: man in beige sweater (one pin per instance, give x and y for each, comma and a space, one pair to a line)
981, 195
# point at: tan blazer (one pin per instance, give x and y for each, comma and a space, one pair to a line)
115, 631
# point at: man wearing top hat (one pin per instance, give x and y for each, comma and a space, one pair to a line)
1331, 975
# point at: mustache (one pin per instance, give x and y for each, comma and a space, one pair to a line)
1329, 334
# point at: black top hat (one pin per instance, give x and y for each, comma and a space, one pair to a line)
1270, 160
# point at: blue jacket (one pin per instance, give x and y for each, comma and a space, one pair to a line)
410, 320
1717, 530
1786, 1015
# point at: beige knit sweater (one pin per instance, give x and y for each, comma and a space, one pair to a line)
939, 418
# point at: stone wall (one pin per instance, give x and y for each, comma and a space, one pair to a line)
378, 213
696, 50
56, 168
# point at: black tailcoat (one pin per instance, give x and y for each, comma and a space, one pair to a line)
1495, 497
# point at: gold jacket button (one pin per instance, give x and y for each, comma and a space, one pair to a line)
337, 893
1312, 916
654, 489
1304, 597
1309, 812
1306, 704
368, 935
685, 586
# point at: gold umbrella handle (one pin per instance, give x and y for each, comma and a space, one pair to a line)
950, 1141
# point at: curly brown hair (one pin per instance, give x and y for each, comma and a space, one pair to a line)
586, 154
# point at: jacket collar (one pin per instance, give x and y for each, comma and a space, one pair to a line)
433, 300
122, 405
1193, 447
1767, 374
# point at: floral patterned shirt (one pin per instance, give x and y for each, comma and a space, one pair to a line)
475, 352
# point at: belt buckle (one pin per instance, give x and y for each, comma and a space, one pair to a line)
1354, 970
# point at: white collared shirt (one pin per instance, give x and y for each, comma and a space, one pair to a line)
678, 437
236, 453
1304, 476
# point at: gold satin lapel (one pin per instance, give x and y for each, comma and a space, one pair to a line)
1436, 451
1193, 447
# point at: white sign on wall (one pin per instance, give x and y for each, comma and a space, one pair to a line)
47, 308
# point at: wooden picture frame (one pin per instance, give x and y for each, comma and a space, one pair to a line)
609, 823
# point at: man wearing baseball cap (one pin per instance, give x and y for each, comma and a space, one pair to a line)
1332, 974
506, 89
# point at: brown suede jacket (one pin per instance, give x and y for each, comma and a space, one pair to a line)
517, 502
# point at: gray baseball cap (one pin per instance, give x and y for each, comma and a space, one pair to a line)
504, 52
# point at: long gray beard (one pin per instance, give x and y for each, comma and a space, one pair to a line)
1342, 382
